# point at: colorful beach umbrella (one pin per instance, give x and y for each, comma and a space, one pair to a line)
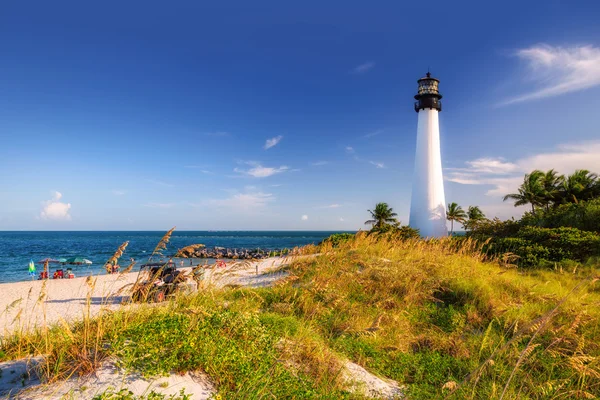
32, 269
77, 260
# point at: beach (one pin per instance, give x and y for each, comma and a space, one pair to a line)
30, 304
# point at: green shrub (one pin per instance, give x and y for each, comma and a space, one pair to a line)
397, 232
583, 215
338, 238
537, 246
494, 228
563, 243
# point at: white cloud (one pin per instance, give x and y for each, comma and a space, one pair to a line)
54, 209
273, 142
341, 219
319, 163
377, 164
363, 68
486, 165
200, 168
507, 176
350, 150
566, 158
118, 192
258, 171
250, 200
371, 134
492, 166
332, 206
159, 205
304, 218
559, 70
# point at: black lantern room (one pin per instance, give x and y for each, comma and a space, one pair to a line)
428, 95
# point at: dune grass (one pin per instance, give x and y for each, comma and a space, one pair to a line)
435, 316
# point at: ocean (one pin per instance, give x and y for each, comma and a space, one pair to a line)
18, 248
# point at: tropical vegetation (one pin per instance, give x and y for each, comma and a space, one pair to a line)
545, 190
455, 213
381, 216
383, 221
561, 228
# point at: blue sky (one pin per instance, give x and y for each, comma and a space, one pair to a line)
269, 115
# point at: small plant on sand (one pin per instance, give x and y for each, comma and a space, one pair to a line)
125, 394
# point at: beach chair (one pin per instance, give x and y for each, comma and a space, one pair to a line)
58, 274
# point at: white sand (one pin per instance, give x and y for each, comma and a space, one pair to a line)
16, 382
23, 307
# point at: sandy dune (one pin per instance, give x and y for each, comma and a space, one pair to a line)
25, 305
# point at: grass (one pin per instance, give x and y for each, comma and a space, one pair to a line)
435, 316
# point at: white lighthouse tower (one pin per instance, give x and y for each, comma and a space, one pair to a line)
428, 203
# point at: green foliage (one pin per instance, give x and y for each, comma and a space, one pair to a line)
455, 213
495, 228
530, 192
542, 190
236, 349
474, 217
382, 216
385, 224
338, 238
536, 245
397, 231
584, 215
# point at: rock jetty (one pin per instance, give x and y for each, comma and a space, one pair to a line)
201, 251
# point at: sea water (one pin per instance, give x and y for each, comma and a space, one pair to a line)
17, 248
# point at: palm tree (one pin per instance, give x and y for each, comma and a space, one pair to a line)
531, 191
475, 215
580, 185
551, 183
455, 213
381, 216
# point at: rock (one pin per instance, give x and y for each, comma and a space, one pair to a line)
188, 251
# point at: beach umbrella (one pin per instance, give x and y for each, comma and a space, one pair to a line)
32, 269
77, 260
48, 260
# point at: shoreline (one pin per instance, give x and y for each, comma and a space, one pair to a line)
29, 304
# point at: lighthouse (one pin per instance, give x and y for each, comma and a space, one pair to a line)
428, 203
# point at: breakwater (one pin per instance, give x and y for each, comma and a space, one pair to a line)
200, 251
